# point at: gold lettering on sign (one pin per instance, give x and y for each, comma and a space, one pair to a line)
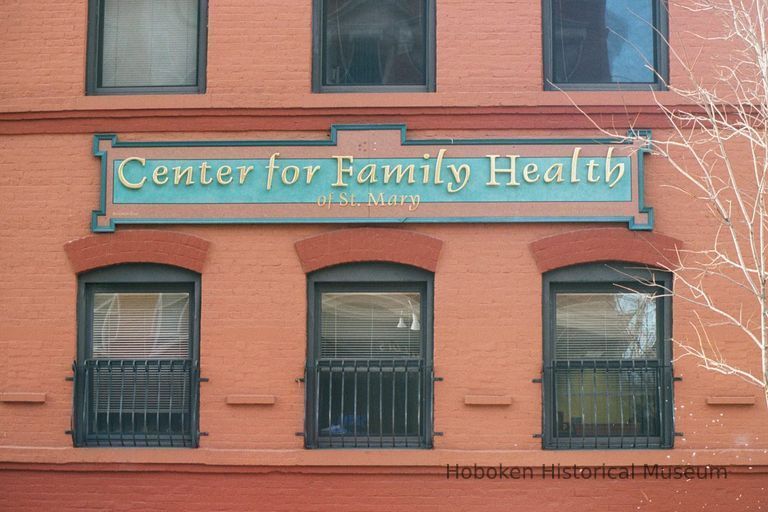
204, 167
531, 173
160, 175
179, 174
574, 165
121, 173
311, 170
460, 175
554, 173
618, 168
223, 175
340, 169
271, 169
290, 175
401, 172
244, 170
590, 172
511, 170
439, 167
367, 174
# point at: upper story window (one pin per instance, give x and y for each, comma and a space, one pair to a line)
146, 46
369, 372
605, 44
136, 374
374, 45
607, 358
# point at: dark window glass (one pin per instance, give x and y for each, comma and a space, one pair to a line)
146, 46
368, 369
136, 377
605, 42
607, 372
375, 42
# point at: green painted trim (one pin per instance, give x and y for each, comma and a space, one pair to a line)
102, 211
379, 220
644, 150
333, 141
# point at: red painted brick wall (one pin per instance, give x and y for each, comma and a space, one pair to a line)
374, 491
253, 334
253, 339
137, 246
488, 54
368, 244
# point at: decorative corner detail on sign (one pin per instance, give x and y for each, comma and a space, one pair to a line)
372, 174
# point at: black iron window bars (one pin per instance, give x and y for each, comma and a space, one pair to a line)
607, 375
369, 373
606, 404
136, 402
370, 403
136, 377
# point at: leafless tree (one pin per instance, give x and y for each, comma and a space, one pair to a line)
717, 144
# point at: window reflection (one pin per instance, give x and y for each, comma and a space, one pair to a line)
374, 42
603, 41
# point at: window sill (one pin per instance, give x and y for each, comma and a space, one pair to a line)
143, 91
610, 87
374, 89
439, 458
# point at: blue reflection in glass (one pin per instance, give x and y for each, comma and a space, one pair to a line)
630, 40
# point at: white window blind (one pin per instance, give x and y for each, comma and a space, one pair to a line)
605, 326
375, 325
149, 43
141, 326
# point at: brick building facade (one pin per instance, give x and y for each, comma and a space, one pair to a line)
480, 320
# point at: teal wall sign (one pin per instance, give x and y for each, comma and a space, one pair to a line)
372, 174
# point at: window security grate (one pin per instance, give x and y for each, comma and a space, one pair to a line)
136, 402
608, 403
369, 366
370, 403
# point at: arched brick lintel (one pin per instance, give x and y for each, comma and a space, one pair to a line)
137, 246
604, 244
368, 244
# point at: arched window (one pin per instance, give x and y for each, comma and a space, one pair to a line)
607, 357
369, 358
136, 374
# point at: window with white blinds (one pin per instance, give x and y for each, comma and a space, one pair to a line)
369, 366
605, 326
136, 376
607, 361
141, 326
149, 43
370, 325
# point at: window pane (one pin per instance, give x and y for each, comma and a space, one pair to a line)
600, 402
605, 326
149, 43
603, 41
370, 325
374, 42
141, 326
